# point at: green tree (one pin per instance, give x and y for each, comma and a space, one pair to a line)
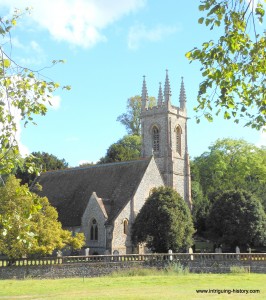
232, 164
28, 223
131, 119
87, 164
23, 93
200, 209
237, 218
127, 148
233, 67
164, 222
42, 161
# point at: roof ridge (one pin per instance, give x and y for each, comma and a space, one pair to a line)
100, 165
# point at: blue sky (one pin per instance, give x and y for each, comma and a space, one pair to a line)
108, 46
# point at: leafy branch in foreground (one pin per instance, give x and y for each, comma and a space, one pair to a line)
233, 67
23, 93
29, 224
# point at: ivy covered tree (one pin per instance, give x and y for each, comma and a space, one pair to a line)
233, 66
127, 148
164, 222
23, 93
29, 225
237, 219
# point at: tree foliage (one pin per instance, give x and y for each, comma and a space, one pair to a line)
41, 161
127, 148
23, 93
201, 207
131, 119
164, 222
232, 164
237, 218
28, 223
228, 165
233, 67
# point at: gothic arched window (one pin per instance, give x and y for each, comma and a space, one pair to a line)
125, 226
178, 139
155, 139
94, 231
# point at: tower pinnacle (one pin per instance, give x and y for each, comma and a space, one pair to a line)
160, 95
167, 89
144, 95
182, 96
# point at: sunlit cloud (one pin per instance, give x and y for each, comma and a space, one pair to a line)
262, 138
30, 54
55, 102
16, 115
9, 109
139, 34
78, 22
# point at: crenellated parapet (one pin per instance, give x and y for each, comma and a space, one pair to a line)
163, 102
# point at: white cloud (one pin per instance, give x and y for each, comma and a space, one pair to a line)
262, 138
139, 33
34, 53
79, 22
36, 47
23, 149
15, 112
30, 53
55, 102
252, 3
9, 109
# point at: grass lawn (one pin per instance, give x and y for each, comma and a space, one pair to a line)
159, 286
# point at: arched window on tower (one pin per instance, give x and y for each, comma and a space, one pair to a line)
94, 231
125, 226
178, 132
155, 138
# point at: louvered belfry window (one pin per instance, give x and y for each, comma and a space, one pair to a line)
156, 138
178, 140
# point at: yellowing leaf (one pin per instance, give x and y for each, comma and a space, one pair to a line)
6, 63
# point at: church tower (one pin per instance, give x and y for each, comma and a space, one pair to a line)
164, 135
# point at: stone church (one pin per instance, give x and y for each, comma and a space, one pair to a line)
102, 201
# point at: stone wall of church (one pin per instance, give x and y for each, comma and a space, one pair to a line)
179, 170
93, 211
122, 241
156, 116
152, 178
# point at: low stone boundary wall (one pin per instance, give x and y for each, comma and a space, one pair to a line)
93, 266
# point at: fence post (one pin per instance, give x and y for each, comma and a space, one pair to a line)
171, 256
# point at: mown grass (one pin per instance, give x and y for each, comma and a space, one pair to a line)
149, 285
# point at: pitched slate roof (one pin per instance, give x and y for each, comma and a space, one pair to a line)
69, 190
